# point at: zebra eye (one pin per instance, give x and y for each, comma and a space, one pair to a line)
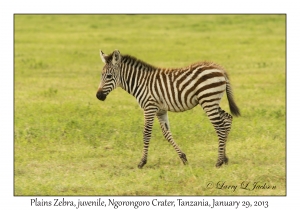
109, 76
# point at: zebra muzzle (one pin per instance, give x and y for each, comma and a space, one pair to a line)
101, 96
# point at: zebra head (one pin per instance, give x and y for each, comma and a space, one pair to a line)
110, 74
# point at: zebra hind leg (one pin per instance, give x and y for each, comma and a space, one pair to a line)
165, 127
221, 122
227, 118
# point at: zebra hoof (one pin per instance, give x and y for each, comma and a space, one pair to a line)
183, 158
220, 162
142, 163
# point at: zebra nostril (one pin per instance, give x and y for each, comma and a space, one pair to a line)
101, 96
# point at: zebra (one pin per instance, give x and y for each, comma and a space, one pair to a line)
159, 90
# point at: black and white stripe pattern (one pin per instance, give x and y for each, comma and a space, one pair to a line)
159, 90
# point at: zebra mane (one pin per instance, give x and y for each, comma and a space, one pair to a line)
204, 64
128, 58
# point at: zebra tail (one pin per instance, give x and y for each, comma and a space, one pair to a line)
232, 105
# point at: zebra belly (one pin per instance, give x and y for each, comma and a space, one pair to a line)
180, 105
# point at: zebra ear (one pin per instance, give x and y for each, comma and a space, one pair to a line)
116, 57
103, 56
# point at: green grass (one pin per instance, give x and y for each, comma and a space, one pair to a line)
69, 143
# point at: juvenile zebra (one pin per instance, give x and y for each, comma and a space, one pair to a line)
159, 90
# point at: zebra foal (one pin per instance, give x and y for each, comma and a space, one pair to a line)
159, 90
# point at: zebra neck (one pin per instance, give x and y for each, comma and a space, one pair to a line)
133, 78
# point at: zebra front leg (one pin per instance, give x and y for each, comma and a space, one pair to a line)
165, 127
149, 118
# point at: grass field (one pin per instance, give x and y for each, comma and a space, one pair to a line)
67, 142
